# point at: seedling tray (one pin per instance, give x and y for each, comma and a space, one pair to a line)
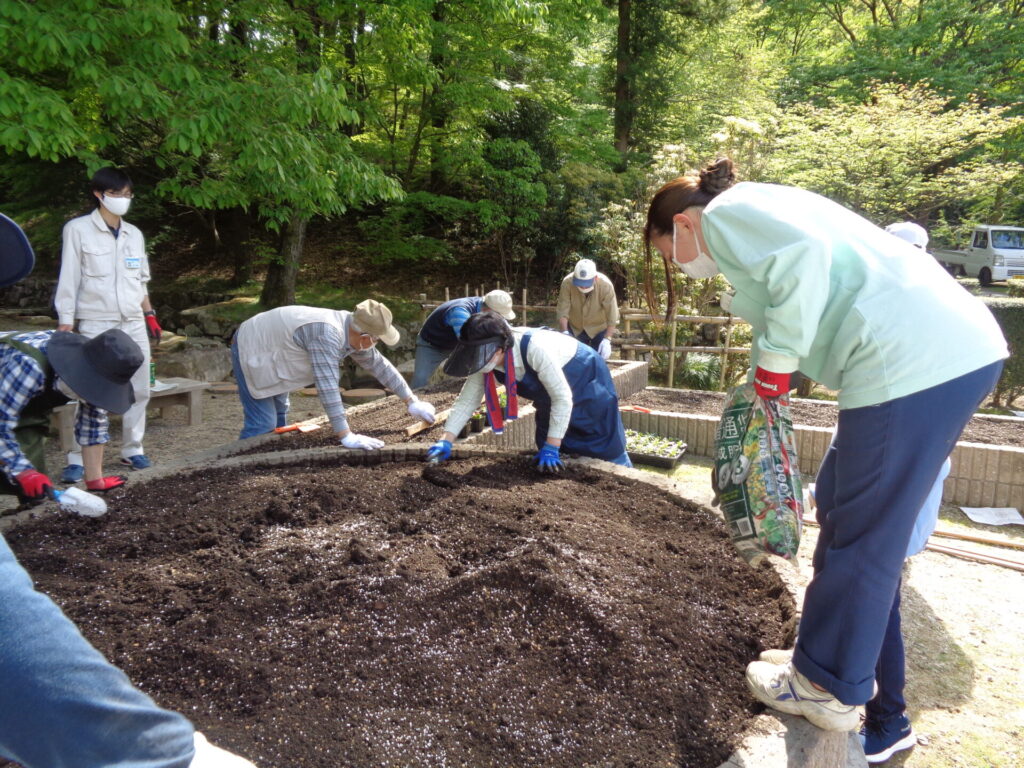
653, 460
654, 450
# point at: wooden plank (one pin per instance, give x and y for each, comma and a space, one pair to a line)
415, 429
419, 426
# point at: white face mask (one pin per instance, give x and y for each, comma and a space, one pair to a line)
116, 205
700, 268
586, 290
498, 357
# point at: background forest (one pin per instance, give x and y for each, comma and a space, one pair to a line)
430, 142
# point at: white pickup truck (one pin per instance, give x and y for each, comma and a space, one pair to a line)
995, 253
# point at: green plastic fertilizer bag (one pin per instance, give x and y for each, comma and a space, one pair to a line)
756, 478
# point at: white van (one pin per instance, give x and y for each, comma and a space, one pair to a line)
995, 254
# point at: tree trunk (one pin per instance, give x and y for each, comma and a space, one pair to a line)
623, 83
235, 235
438, 106
279, 288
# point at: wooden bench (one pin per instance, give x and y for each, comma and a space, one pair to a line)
184, 392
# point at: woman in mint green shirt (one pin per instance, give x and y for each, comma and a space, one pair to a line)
912, 356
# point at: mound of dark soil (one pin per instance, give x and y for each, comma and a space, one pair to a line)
811, 413
474, 613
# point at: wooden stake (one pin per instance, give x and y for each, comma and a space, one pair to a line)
979, 539
447, 295
419, 426
724, 360
522, 319
954, 535
672, 356
630, 354
978, 557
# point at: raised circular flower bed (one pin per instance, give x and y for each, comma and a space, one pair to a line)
305, 612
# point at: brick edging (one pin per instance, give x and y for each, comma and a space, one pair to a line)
982, 475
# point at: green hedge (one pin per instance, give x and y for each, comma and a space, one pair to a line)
1009, 314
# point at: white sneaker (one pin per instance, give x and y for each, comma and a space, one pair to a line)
780, 656
776, 656
209, 756
782, 687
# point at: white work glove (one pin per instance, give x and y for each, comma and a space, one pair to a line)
209, 756
604, 349
362, 442
422, 410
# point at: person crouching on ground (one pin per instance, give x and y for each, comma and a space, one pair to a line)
440, 332
284, 349
572, 391
587, 307
43, 370
912, 356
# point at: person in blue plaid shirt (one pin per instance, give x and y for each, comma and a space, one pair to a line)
40, 371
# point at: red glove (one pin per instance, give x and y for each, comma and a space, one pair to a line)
152, 326
34, 484
105, 484
769, 383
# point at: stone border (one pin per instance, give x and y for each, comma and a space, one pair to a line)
629, 377
982, 475
769, 740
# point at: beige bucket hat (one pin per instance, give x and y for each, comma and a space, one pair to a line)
374, 318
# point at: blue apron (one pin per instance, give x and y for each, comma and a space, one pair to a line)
595, 425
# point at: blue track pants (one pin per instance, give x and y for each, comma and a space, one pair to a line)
870, 487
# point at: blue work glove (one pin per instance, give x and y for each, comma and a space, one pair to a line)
439, 451
547, 459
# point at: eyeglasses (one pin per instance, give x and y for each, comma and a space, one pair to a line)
114, 193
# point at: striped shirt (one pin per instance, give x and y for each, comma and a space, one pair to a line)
326, 349
21, 379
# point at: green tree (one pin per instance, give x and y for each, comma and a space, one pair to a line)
651, 38
233, 104
957, 47
905, 153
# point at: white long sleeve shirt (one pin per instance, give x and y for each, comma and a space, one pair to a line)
102, 277
548, 353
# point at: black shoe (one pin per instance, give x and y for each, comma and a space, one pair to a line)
882, 740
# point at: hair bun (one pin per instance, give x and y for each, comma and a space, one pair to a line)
718, 176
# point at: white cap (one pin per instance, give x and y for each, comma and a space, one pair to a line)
913, 233
584, 274
500, 302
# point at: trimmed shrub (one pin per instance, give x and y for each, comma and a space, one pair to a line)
1009, 313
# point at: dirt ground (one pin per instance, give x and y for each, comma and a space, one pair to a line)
474, 613
963, 621
962, 628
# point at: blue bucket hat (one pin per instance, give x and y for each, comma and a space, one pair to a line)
16, 257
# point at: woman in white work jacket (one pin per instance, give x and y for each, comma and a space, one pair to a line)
912, 356
577, 408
